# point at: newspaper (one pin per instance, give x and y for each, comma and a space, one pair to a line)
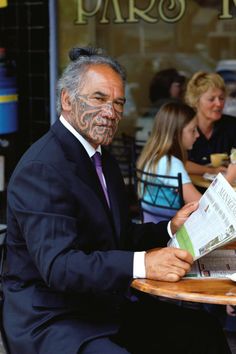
213, 224
209, 176
217, 264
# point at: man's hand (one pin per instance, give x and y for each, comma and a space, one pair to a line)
170, 264
182, 215
167, 264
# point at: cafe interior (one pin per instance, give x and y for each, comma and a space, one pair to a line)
145, 36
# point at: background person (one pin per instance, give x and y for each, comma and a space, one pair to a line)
205, 93
229, 77
72, 254
166, 85
165, 153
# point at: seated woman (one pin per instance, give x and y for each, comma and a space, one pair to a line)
174, 132
205, 93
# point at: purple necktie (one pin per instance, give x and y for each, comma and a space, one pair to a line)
98, 165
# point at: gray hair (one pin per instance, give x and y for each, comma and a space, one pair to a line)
73, 75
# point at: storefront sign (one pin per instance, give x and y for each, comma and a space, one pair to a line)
225, 14
3, 3
168, 11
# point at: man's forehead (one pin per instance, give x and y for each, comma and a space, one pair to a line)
103, 72
104, 80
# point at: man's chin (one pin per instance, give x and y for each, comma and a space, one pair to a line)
107, 142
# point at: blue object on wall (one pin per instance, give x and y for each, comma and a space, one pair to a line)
8, 98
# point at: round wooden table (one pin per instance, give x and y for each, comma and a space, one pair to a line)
200, 181
211, 291
204, 290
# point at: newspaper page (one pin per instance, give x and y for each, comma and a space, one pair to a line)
217, 264
212, 224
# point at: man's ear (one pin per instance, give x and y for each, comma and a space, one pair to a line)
65, 101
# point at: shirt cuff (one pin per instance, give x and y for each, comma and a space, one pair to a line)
169, 230
139, 270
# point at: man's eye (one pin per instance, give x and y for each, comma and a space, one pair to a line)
97, 100
119, 104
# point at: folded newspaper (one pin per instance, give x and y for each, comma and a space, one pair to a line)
219, 263
213, 224
209, 176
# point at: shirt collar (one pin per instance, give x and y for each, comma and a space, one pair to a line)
88, 147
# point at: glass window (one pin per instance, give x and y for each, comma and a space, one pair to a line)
150, 35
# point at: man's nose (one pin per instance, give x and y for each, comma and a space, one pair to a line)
108, 110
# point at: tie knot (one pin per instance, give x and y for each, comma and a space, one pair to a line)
97, 159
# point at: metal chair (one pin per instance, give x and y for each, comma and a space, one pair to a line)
160, 196
122, 151
122, 148
137, 148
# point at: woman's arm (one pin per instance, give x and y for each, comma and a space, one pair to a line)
197, 169
190, 193
231, 173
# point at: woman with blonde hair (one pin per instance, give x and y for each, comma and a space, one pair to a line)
165, 153
205, 93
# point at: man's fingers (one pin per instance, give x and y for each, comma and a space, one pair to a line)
182, 215
167, 264
187, 209
183, 255
172, 277
184, 266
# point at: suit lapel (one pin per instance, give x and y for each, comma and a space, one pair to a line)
82, 164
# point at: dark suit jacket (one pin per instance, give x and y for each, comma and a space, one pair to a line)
69, 257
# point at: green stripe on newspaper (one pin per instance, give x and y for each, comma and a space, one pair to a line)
184, 240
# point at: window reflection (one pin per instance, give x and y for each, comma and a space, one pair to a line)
198, 41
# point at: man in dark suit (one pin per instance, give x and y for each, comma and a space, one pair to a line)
72, 254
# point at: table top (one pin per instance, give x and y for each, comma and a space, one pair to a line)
200, 181
212, 291
204, 290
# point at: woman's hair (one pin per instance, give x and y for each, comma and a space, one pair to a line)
201, 82
166, 135
72, 77
161, 83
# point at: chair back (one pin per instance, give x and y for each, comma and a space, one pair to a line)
121, 149
137, 148
160, 196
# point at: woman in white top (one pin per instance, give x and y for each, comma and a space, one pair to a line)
174, 132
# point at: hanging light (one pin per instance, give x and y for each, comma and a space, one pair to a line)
3, 3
